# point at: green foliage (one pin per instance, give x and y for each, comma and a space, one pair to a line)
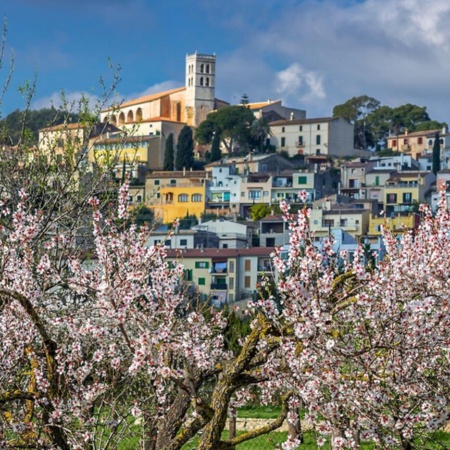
15, 124
262, 210
185, 149
232, 123
259, 132
215, 148
237, 329
144, 216
244, 99
436, 154
375, 122
188, 221
169, 154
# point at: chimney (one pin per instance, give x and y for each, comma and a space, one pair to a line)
184, 171
292, 116
406, 131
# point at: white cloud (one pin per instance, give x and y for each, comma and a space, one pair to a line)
317, 54
158, 87
71, 101
296, 82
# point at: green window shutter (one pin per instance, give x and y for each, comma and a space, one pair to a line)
302, 180
201, 281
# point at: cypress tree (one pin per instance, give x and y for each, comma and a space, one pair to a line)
215, 148
436, 154
185, 149
169, 154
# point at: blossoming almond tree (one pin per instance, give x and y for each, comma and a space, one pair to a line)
102, 348
368, 348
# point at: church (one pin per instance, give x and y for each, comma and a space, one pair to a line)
167, 112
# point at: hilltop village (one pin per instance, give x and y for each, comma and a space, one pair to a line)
228, 218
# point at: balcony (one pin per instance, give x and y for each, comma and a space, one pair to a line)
218, 287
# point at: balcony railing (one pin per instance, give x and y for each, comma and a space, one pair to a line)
219, 286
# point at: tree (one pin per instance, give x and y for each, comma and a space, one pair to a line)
185, 149
260, 131
232, 123
169, 154
216, 154
244, 99
363, 350
436, 154
356, 111
375, 122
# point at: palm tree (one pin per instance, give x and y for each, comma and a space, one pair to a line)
259, 131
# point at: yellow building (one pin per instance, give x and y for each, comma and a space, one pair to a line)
173, 195
405, 189
397, 223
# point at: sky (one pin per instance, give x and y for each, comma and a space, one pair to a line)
311, 54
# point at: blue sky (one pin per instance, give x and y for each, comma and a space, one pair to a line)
313, 54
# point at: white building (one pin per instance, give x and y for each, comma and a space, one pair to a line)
322, 136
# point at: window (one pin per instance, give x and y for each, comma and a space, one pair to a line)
173, 182
201, 81
343, 223
283, 141
231, 283
201, 68
318, 126
405, 141
207, 68
197, 197
59, 159
231, 266
254, 194
247, 282
430, 142
302, 180
183, 242
201, 281
207, 81
420, 140
394, 143
201, 264
407, 197
377, 180
265, 193
391, 198
224, 245
328, 223
248, 265
282, 129
318, 139
300, 140
187, 275
300, 128
168, 242
158, 195
183, 198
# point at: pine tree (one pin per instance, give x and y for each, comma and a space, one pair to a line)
244, 99
436, 154
169, 154
215, 148
185, 149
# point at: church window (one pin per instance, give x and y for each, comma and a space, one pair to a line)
207, 81
201, 81
207, 68
201, 68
